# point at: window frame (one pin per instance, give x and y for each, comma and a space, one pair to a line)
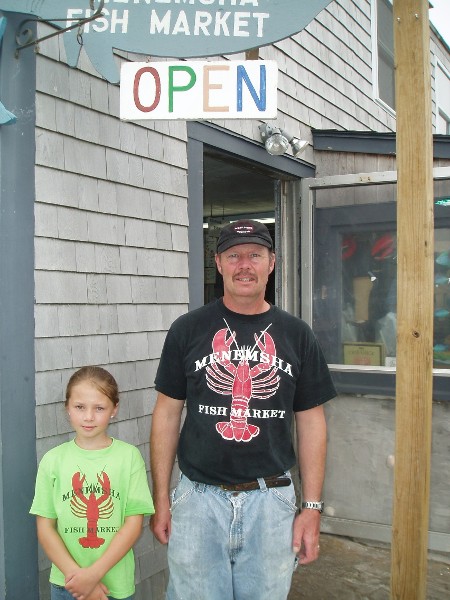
356, 379
375, 59
440, 112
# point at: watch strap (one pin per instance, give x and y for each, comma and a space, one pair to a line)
313, 505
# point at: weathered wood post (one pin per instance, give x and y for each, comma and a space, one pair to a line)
415, 300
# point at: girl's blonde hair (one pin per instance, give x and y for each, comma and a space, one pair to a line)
100, 378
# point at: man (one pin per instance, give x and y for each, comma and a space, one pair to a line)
244, 368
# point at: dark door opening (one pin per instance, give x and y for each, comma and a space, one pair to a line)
233, 189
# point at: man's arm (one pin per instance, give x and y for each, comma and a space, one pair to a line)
311, 440
163, 447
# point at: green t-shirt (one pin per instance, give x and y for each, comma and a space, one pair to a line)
90, 493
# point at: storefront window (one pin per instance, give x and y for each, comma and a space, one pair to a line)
355, 276
369, 298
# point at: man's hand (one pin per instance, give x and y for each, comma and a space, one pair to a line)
305, 539
160, 523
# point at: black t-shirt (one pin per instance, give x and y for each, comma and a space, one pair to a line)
242, 377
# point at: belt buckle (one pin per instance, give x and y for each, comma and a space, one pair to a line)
226, 487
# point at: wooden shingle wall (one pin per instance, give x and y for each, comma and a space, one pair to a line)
110, 258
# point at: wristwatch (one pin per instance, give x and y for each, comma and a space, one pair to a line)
314, 505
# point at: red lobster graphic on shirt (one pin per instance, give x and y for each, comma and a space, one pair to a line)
91, 508
242, 382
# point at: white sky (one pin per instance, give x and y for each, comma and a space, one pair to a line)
440, 17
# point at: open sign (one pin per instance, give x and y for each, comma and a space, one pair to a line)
199, 90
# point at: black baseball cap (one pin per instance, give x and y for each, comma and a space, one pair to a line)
244, 231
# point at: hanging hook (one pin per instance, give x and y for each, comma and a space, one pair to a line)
29, 36
80, 35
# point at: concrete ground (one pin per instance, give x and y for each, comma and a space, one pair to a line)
351, 569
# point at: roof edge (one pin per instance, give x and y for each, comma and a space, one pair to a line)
370, 142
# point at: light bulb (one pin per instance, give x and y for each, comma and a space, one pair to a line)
277, 144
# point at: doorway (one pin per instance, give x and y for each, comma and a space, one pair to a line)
233, 190
230, 178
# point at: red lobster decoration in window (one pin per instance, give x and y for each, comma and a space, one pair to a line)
91, 508
242, 382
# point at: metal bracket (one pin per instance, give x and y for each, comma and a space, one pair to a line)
25, 36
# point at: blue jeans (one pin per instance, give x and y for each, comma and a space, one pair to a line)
57, 592
231, 545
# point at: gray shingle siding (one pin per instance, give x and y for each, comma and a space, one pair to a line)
111, 227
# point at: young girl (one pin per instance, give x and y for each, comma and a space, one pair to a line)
91, 496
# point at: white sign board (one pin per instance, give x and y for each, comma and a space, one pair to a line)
199, 90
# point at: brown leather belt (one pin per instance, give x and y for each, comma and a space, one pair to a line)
273, 481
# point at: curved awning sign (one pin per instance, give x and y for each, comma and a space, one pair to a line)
170, 28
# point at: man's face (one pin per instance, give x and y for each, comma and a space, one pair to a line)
245, 270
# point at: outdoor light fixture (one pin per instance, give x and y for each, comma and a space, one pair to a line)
277, 141
298, 146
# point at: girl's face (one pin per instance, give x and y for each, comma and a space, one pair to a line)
90, 412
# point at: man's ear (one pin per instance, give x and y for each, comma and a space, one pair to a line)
218, 265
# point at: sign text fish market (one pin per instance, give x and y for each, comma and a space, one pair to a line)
170, 28
181, 22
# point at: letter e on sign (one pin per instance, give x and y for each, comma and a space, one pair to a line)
199, 90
